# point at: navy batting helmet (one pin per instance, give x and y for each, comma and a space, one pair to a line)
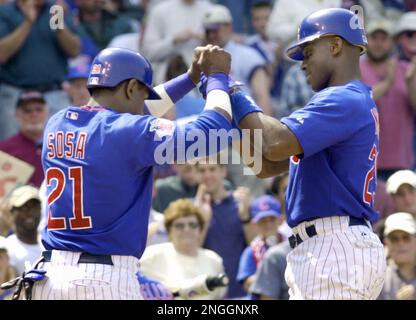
113, 65
333, 21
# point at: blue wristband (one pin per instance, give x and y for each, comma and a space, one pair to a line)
242, 104
178, 87
217, 81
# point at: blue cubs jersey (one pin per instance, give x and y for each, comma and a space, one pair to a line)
98, 170
336, 174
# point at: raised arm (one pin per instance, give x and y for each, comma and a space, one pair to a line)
11, 43
278, 143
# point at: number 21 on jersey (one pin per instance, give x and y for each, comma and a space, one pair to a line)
371, 176
79, 220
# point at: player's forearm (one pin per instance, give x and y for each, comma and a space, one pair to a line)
170, 92
68, 41
210, 129
278, 143
10, 44
262, 167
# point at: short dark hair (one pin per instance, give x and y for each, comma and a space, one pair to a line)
97, 91
176, 66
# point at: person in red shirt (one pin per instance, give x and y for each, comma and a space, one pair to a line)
394, 85
26, 145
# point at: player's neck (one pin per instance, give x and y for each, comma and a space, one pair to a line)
344, 76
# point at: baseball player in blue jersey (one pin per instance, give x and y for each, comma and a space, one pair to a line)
330, 148
98, 161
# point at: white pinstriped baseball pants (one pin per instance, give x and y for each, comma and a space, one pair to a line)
339, 263
68, 280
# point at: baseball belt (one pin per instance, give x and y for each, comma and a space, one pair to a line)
296, 240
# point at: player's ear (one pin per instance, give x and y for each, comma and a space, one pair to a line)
130, 88
336, 44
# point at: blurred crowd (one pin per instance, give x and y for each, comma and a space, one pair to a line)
207, 219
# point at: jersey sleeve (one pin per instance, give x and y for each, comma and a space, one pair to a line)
157, 141
326, 120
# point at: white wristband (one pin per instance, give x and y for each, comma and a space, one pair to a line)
159, 107
219, 99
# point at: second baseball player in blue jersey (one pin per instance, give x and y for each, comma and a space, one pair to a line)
324, 182
330, 147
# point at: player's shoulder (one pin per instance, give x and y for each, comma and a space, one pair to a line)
353, 94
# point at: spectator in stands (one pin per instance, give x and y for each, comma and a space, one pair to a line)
31, 114
394, 90
402, 186
270, 280
247, 65
182, 260
228, 219
287, 15
77, 84
156, 231
240, 11
296, 92
183, 185
387, 9
99, 24
405, 34
5, 219
400, 239
173, 27
6, 271
383, 201
190, 105
265, 213
33, 56
278, 190
24, 245
269, 50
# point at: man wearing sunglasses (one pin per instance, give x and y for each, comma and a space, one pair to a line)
400, 241
31, 114
405, 34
